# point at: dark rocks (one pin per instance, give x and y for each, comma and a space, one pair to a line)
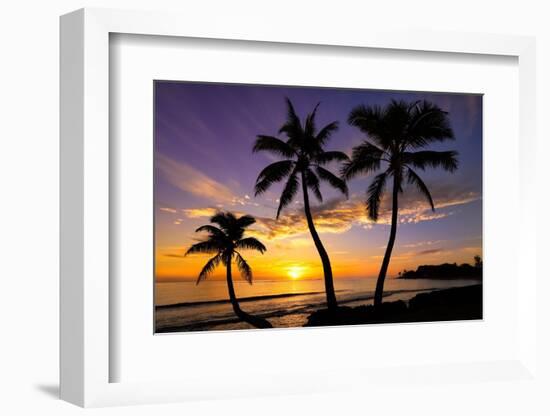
344, 315
450, 304
462, 303
446, 271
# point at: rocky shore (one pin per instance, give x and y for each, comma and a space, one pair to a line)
462, 303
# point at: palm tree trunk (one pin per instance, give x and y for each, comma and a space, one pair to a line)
327, 269
231, 290
252, 320
385, 263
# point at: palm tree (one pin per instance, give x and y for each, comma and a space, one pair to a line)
397, 132
223, 242
303, 162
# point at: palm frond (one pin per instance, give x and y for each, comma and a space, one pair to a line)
227, 256
244, 268
309, 125
209, 268
208, 246
251, 243
289, 191
210, 229
271, 174
245, 221
331, 156
428, 123
447, 160
332, 179
225, 220
396, 120
312, 182
273, 145
374, 195
326, 132
414, 105
413, 178
365, 158
292, 127
371, 121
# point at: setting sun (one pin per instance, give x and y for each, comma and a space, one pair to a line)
295, 272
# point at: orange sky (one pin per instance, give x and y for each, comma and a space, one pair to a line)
355, 245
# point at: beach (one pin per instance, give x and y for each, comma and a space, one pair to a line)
184, 306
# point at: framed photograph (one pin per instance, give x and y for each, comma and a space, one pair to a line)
290, 197
262, 179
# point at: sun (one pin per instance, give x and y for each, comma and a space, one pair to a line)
295, 272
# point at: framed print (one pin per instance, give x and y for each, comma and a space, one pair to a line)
317, 255
290, 197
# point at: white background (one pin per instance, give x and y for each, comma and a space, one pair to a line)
29, 208
138, 60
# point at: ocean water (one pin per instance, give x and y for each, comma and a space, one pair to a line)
184, 306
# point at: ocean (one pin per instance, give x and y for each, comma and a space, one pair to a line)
184, 306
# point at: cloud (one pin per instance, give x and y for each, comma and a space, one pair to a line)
339, 216
422, 243
170, 210
173, 255
420, 217
189, 179
329, 218
200, 212
295, 243
431, 251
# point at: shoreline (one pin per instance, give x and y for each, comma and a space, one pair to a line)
350, 313
241, 300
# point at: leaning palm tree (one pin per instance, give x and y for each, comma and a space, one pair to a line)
303, 162
224, 242
397, 132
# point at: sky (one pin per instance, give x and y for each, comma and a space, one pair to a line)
204, 133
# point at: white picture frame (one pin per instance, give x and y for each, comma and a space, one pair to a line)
85, 212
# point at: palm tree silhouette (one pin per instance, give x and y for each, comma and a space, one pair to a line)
303, 163
398, 130
223, 242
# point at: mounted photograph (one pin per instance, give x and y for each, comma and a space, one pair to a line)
293, 206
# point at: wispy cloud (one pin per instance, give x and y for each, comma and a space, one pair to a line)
174, 255
339, 216
169, 210
431, 251
199, 212
422, 243
189, 179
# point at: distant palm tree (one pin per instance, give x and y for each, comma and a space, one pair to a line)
478, 262
223, 242
304, 158
397, 131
